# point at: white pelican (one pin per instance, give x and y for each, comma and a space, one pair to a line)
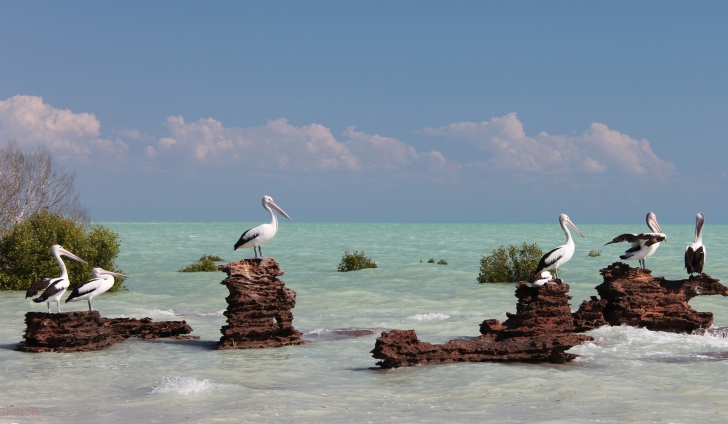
103, 280
559, 256
264, 232
53, 288
695, 252
643, 245
541, 279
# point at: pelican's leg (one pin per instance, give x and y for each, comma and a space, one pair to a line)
89, 306
556, 273
58, 305
49, 306
260, 250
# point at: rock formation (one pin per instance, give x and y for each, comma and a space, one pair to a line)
259, 306
634, 297
85, 331
541, 330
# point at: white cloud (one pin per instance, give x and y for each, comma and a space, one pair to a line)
70, 135
510, 147
281, 145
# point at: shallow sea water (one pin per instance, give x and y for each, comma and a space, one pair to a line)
626, 375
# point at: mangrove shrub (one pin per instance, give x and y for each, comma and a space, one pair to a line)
355, 261
509, 264
25, 251
205, 264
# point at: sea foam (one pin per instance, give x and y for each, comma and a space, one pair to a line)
181, 385
432, 316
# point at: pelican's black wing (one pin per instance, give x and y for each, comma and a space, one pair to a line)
246, 237
52, 289
694, 259
85, 288
546, 260
37, 286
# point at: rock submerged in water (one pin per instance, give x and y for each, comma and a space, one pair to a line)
259, 306
541, 330
87, 331
632, 296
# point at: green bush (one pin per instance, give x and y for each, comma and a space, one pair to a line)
594, 253
25, 251
509, 264
442, 262
431, 261
205, 264
355, 261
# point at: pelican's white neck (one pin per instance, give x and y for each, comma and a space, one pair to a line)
273, 218
567, 232
699, 231
64, 272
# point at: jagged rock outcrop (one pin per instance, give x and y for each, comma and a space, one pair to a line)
632, 296
259, 306
541, 330
86, 331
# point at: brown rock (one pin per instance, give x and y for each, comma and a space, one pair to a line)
259, 306
86, 331
632, 296
539, 331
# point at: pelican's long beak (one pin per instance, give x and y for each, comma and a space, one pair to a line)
65, 252
571, 224
657, 227
115, 274
276, 207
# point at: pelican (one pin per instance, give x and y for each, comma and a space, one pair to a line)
53, 288
695, 252
541, 279
103, 280
643, 245
559, 256
264, 232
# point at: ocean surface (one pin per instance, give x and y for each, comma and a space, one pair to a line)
626, 375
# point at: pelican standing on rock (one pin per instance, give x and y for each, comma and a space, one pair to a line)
262, 233
559, 256
103, 280
695, 252
53, 288
643, 245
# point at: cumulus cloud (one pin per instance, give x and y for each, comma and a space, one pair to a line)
70, 135
278, 144
598, 150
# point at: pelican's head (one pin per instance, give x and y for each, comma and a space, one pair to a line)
652, 223
700, 218
98, 272
564, 219
58, 250
268, 201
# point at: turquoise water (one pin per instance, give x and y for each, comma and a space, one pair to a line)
627, 375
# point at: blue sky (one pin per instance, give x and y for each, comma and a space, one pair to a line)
375, 111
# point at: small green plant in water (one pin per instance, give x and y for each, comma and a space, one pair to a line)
442, 262
431, 261
594, 253
509, 264
205, 264
355, 261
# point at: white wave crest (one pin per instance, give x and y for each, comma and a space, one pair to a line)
432, 316
181, 384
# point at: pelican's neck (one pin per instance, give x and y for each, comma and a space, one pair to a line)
273, 218
567, 232
64, 272
699, 231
